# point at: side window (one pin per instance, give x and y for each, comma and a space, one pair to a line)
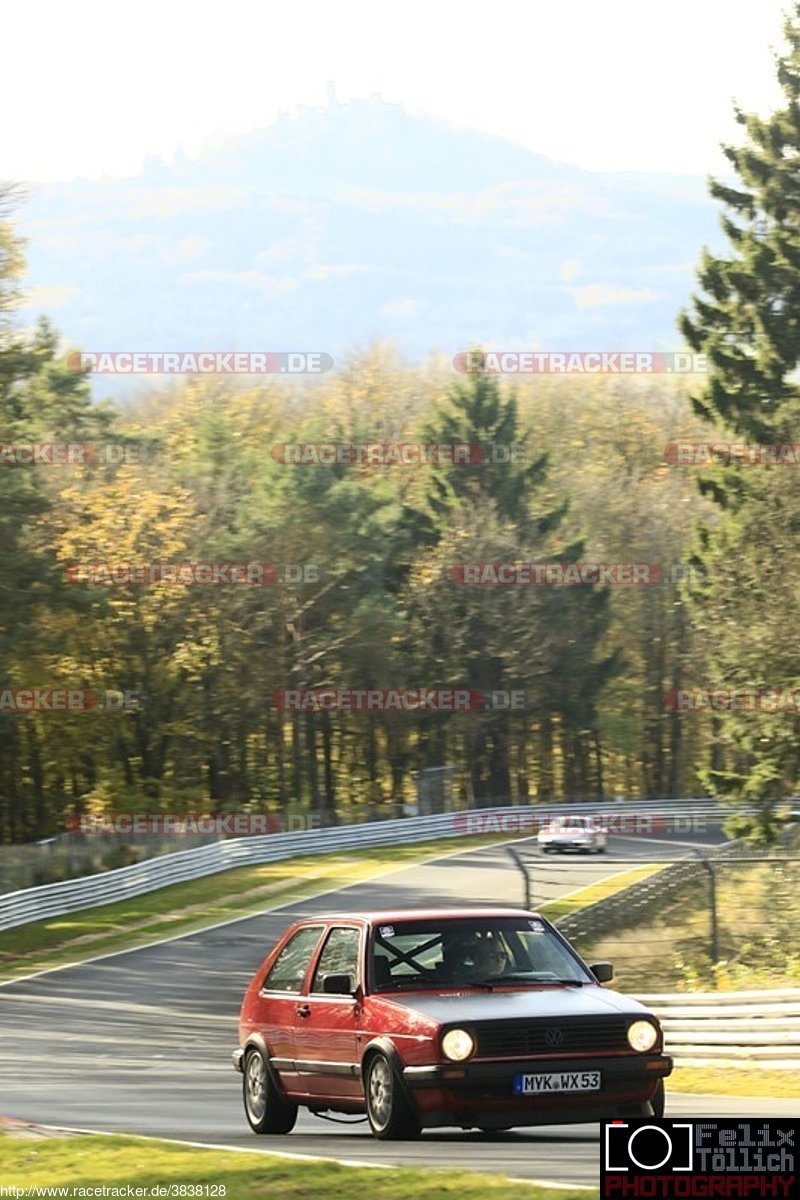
339, 956
289, 969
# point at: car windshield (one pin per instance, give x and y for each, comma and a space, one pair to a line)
476, 952
571, 825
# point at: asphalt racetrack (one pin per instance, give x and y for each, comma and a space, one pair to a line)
140, 1042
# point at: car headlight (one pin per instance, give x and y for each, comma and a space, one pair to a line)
642, 1036
457, 1044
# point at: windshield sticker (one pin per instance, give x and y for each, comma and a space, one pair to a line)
536, 926
387, 931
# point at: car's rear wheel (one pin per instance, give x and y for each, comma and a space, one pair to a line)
390, 1114
267, 1111
658, 1099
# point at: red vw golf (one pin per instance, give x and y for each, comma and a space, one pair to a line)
480, 1018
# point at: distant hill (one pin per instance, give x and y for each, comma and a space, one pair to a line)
335, 226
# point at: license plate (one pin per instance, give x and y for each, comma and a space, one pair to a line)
557, 1081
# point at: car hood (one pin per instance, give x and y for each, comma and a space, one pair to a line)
559, 1002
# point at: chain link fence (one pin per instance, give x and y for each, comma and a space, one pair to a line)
719, 917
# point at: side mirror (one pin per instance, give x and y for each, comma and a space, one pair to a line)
338, 985
602, 971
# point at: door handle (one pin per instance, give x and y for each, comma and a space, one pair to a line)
303, 1010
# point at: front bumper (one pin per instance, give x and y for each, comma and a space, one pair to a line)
566, 844
237, 1058
637, 1069
481, 1093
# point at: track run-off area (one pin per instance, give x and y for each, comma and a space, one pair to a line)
140, 1041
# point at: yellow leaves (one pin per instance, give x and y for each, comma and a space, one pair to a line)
125, 519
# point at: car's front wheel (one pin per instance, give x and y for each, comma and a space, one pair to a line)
658, 1100
389, 1112
266, 1109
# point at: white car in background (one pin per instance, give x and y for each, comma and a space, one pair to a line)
585, 835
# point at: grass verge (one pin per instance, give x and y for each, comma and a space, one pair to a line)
90, 1162
566, 905
735, 1081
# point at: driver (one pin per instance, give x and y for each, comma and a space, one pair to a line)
482, 958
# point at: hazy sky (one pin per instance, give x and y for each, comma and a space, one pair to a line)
90, 88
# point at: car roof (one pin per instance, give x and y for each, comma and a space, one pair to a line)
389, 915
571, 818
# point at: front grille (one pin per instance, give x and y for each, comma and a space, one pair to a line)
519, 1039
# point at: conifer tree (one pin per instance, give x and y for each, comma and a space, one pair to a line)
746, 319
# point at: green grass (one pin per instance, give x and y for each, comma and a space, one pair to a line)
89, 1162
185, 907
736, 1081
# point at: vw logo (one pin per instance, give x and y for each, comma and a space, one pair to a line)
554, 1037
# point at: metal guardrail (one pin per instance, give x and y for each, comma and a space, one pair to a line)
71, 854
73, 895
728, 1029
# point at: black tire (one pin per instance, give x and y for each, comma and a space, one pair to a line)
658, 1100
389, 1112
267, 1111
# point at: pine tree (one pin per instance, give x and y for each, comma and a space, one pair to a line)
477, 414
508, 485
747, 320
40, 401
